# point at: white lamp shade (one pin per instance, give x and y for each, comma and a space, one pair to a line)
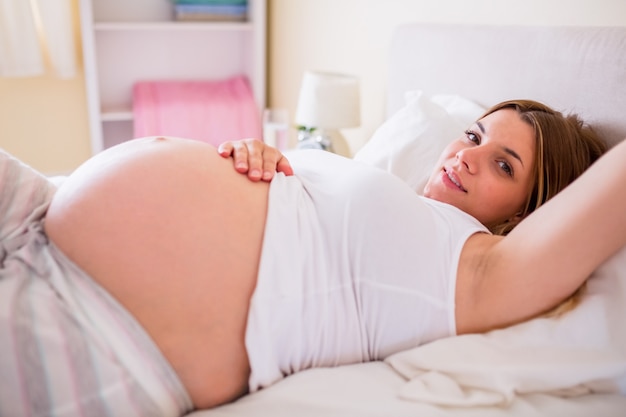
328, 101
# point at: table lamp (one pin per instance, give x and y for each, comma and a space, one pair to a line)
327, 102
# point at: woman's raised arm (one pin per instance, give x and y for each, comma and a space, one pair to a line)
255, 158
552, 252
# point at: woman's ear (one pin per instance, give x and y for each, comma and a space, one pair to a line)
517, 217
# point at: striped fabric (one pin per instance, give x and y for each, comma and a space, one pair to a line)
66, 347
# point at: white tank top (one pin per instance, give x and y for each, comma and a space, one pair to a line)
355, 266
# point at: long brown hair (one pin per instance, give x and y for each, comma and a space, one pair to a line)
565, 148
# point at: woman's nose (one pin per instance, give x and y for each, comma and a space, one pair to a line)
468, 158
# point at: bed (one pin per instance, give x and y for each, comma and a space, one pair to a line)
441, 76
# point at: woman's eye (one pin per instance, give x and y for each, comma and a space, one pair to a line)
506, 168
472, 137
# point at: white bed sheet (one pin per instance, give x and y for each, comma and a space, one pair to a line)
371, 390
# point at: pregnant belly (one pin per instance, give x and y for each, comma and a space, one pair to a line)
174, 234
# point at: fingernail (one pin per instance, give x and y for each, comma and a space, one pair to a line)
255, 173
267, 175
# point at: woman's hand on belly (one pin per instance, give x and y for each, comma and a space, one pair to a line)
256, 159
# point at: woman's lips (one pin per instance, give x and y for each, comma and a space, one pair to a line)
452, 179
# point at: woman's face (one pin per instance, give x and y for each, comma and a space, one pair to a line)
488, 172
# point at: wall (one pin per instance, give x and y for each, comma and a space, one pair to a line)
351, 36
43, 120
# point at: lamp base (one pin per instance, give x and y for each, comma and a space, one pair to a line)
325, 139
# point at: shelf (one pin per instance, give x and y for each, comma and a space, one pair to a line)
118, 115
174, 26
125, 42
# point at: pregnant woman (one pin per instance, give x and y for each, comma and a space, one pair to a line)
158, 279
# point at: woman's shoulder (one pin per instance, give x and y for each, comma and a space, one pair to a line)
453, 214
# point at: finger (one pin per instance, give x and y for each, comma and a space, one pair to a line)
270, 156
284, 166
225, 149
256, 155
240, 157
275, 162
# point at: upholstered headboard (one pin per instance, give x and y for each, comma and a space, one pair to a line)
572, 69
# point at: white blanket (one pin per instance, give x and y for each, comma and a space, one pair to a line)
581, 352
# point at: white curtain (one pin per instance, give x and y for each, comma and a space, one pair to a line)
33, 29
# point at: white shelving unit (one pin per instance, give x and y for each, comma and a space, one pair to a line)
125, 41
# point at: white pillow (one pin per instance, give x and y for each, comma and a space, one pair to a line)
409, 143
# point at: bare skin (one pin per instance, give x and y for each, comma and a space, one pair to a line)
161, 263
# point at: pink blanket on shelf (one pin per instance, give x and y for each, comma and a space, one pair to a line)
210, 111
